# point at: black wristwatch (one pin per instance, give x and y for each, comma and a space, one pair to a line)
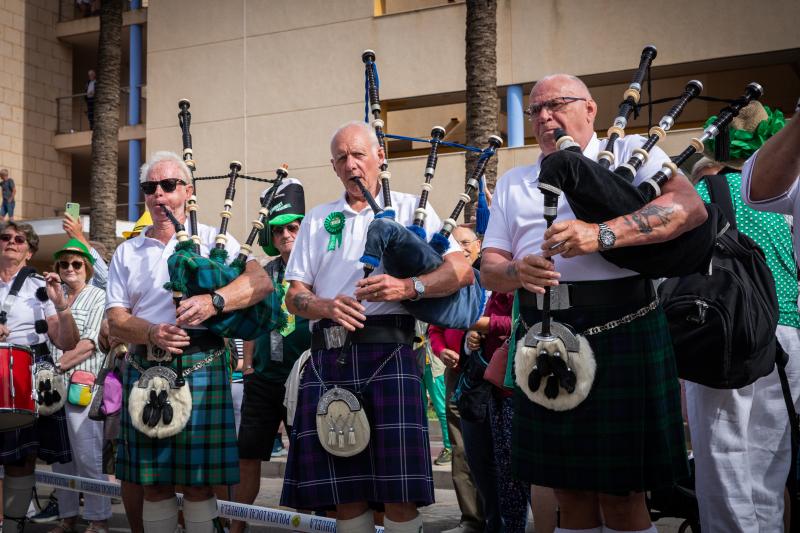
606, 237
217, 301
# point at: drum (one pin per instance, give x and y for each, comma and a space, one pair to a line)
17, 406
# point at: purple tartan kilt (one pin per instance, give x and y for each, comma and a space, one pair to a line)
47, 438
395, 467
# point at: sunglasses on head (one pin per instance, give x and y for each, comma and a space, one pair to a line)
167, 185
76, 265
18, 239
291, 228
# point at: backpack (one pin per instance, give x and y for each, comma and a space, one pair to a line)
723, 323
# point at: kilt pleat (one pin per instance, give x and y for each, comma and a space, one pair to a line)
47, 438
396, 465
628, 433
204, 453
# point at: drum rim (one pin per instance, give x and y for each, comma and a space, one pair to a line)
14, 345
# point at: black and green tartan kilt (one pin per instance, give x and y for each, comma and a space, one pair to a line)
204, 453
628, 433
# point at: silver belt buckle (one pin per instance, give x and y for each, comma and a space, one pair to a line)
157, 354
334, 337
559, 298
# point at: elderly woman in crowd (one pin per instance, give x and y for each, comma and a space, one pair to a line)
74, 264
31, 322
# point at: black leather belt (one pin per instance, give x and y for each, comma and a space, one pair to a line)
624, 291
40, 350
397, 330
201, 340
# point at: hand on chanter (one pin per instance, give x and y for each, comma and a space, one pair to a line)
570, 238
536, 272
383, 288
346, 310
168, 337
195, 310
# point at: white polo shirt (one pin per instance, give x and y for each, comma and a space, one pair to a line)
25, 311
138, 272
786, 203
335, 272
517, 223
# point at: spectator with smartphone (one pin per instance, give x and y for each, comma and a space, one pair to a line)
74, 229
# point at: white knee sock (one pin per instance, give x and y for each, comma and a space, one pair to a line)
412, 526
199, 516
17, 494
598, 529
651, 529
364, 523
160, 517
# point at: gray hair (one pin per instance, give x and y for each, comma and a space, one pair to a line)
161, 156
699, 168
366, 128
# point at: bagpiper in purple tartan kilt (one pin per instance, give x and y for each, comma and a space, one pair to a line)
396, 465
47, 438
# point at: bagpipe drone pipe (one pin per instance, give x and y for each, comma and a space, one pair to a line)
404, 251
192, 274
596, 194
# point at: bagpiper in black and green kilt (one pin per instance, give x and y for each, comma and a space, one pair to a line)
205, 452
627, 435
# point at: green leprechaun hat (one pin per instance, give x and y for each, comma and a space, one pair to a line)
288, 205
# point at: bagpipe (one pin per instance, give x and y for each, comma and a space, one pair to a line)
405, 251
193, 274
596, 194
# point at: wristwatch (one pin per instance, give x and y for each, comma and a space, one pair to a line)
419, 287
606, 237
217, 301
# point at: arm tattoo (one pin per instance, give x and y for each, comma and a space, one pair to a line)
511, 270
302, 300
641, 217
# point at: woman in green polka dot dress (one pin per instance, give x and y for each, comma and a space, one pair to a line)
740, 438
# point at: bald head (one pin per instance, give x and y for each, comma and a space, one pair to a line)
561, 101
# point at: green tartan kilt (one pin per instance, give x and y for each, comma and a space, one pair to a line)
204, 453
628, 433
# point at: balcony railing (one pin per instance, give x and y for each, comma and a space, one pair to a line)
73, 111
69, 9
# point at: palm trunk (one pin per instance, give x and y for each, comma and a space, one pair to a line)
482, 101
103, 192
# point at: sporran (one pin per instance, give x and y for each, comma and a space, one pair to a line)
159, 408
51, 390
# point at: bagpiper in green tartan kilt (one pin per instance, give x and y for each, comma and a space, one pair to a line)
628, 433
205, 452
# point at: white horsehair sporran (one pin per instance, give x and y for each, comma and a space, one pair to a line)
50, 388
159, 407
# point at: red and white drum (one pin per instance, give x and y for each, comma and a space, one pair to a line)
17, 406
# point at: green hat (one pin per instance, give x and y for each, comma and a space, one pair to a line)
287, 206
74, 246
750, 129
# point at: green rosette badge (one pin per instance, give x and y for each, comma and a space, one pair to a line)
334, 224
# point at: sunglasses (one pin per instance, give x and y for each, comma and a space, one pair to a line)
167, 185
556, 104
291, 228
76, 265
18, 239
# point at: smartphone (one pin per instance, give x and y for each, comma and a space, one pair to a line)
73, 210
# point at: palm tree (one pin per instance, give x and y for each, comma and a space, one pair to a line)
482, 101
103, 184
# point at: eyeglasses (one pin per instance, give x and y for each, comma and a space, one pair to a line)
467, 243
556, 104
76, 265
291, 228
167, 185
18, 239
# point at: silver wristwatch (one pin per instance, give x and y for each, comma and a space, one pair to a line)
419, 287
606, 237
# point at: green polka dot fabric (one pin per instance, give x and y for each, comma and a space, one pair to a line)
772, 233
